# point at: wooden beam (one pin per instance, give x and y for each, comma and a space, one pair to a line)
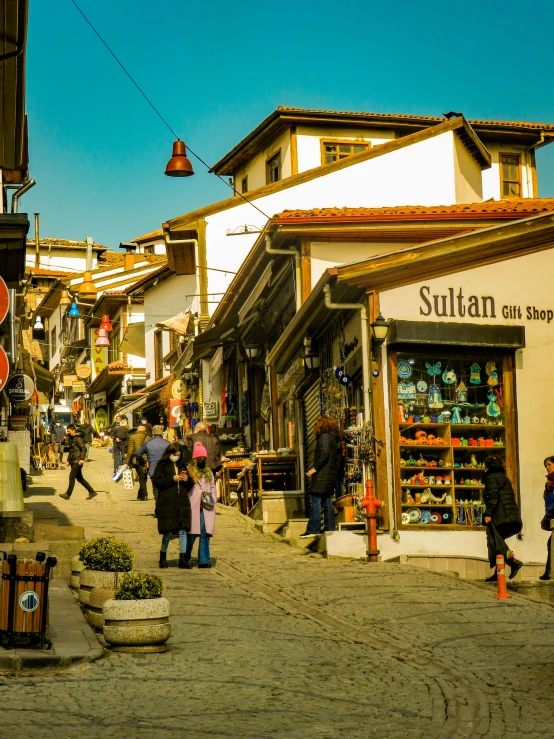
293, 151
306, 251
274, 407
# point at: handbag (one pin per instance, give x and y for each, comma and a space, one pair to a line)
118, 474
207, 501
545, 523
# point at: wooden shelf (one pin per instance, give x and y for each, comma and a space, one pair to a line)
426, 485
469, 487
421, 424
475, 448
474, 426
426, 446
427, 505
426, 467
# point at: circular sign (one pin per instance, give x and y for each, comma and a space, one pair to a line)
178, 390
4, 300
29, 601
19, 388
83, 371
101, 419
4, 367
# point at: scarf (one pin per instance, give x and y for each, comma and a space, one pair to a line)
196, 474
549, 487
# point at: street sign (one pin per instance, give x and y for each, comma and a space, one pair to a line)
4, 367
83, 371
179, 390
19, 388
4, 300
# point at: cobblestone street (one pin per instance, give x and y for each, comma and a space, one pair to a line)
276, 642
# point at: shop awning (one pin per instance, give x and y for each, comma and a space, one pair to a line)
184, 359
223, 333
179, 323
135, 405
133, 341
110, 375
255, 294
44, 378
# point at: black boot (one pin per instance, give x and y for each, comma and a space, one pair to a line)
544, 577
492, 578
515, 566
163, 560
184, 562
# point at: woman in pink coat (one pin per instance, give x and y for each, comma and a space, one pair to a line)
203, 518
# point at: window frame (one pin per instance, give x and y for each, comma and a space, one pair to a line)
342, 142
517, 155
268, 180
244, 184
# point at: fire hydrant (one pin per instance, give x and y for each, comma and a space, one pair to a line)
371, 505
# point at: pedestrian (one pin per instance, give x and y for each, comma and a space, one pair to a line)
147, 426
210, 442
502, 515
547, 521
202, 496
154, 450
138, 463
89, 433
173, 509
58, 436
119, 433
323, 476
75, 460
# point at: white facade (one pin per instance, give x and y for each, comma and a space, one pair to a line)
63, 258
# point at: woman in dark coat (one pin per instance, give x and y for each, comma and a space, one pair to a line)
323, 476
502, 515
548, 513
173, 511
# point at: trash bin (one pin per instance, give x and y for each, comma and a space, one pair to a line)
24, 601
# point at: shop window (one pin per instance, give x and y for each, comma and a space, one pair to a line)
158, 355
53, 342
273, 168
244, 185
451, 411
332, 151
510, 174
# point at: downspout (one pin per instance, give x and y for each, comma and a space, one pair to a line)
292, 251
37, 243
18, 193
365, 343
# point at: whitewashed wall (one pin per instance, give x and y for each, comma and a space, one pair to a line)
309, 141
255, 170
491, 177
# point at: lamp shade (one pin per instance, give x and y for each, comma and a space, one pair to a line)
87, 289
179, 165
102, 339
106, 325
380, 329
252, 350
311, 361
39, 326
74, 311
65, 299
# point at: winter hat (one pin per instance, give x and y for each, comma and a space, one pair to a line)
199, 451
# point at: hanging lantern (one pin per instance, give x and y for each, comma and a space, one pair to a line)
102, 338
106, 325
179, 165
65, 299
87, 289
38, 329
74, 311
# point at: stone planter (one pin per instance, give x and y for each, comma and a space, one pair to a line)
96, 579
76, 568
93, 609
137, 625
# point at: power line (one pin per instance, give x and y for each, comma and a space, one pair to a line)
160, 116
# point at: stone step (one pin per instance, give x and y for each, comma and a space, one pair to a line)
294, 527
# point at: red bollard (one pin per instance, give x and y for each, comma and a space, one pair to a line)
371, 504
501, 578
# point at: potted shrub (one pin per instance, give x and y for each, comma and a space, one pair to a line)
137, 618
105, 560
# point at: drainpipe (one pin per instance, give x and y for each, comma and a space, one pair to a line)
18, 193
365, 342
291, 252
13, 337
37, 242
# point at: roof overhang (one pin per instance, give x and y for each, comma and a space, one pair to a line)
13, 41
13, 231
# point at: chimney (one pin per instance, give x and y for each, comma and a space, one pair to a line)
128, 257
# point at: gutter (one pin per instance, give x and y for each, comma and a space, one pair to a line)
290, 252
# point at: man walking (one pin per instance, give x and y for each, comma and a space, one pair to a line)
211, 444
154, 450
57, 439
75, 460
119, 433
88, 432
135, 442
147, 426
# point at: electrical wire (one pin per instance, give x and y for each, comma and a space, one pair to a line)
160, 116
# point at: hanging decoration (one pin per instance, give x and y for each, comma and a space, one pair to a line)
433, 370
491, 371
404, 370
449, 377
475, 374
461, 392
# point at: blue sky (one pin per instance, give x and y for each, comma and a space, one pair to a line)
215, 70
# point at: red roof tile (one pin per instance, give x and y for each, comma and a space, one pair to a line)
155, 385
150, 236
40, 272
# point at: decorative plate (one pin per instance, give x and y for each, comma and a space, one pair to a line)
421, 386
414, 514
405, 518
435, 518
446, 517
404, 370
425, 517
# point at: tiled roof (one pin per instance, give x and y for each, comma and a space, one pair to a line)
155, 385
64, 242
148, 237
115, 258
518, 208
438, 119
40, 272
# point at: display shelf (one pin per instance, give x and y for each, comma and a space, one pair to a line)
426, 446
475, 448
421, 424
475, 426
427, 485
427, 505
426, 467
469, 487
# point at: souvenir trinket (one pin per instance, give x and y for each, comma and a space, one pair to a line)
456, 414
449, 377
433, 370
475, 374
435, 397
490, 369
407, 391
421, 386
493, 409
425, 517
404, 370
405, 518
461, 392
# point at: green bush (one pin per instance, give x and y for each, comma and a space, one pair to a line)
108, 554
138, 586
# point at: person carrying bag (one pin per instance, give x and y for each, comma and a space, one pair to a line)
548, 518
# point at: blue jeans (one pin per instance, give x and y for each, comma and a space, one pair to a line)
204, 546
314, 522
166, 538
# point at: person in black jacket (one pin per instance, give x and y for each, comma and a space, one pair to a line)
75, 460
173, 510
502, 515
88, 433
323, 476
58, 436
119, 433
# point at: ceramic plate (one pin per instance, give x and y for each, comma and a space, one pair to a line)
421, 386
405, 518
447, 518
414, 514
435, 518
425, 517
404, 370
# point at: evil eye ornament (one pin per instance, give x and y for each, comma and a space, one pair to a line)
421, 386
339, 372
345, 379
405, 518
404, 370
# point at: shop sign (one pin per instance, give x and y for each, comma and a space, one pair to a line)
175, 410
19, 388
211, 410
79, 387
99, 399
99, 353
83, 371
4, 300
4, 367
101, 419
288, 379
68, 380
179, 390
